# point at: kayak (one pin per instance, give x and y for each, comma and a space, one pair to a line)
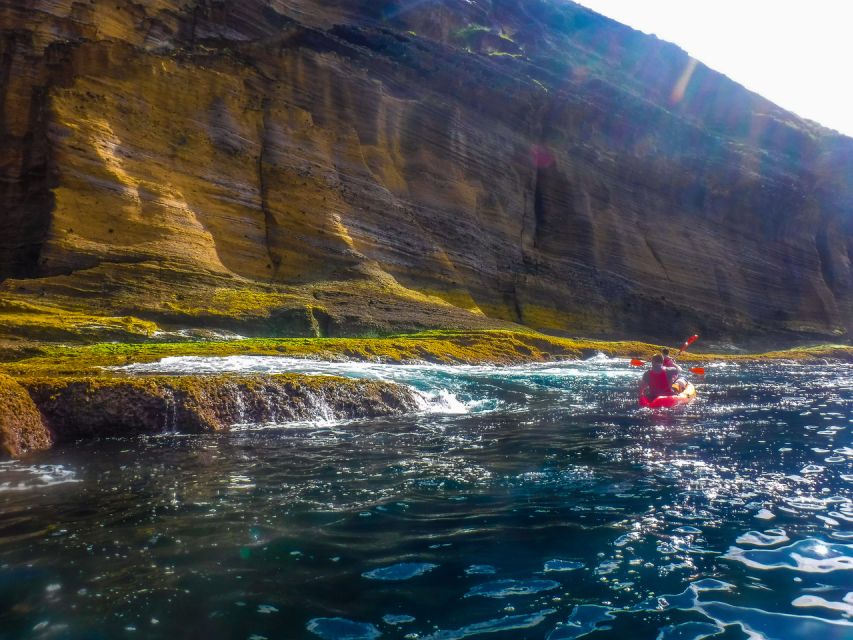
670, 401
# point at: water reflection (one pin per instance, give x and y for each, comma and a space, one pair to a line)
547, 506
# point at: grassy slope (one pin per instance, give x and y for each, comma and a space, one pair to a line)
470, 347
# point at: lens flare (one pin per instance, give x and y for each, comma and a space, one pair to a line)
680, 88
541, 156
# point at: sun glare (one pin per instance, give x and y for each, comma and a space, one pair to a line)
793, 54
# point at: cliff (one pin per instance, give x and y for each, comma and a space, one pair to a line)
284, 167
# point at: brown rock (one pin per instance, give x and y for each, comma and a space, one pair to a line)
21, 427
79, 408
450, 164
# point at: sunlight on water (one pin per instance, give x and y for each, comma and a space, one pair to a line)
535, 501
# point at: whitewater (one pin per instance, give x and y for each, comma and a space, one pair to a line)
533, 501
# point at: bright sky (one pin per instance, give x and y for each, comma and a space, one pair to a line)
796, 54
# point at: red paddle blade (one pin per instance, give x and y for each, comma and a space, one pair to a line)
699, 371
688, 342
637, 363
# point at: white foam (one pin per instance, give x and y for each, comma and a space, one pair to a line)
806, 556
442, 401
845, 607
758, 624
440, 389
767, 539
17, 476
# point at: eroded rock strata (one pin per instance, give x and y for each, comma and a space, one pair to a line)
285, 167
79, 408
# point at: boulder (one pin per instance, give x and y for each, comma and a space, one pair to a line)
22, 429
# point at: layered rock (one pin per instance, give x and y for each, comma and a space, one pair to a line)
298, 168
76, 408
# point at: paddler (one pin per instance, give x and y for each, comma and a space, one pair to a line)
680, 383
658, 380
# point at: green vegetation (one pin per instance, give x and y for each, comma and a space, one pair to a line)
447, 347
44, 322
472, 30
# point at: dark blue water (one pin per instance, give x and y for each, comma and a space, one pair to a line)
532, 502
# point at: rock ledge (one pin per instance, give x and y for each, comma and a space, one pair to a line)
36, 412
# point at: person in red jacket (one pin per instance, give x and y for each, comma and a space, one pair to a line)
658, 380
680, 383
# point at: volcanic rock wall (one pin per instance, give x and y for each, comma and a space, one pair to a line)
349, 165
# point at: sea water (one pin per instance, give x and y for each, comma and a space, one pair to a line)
522, 502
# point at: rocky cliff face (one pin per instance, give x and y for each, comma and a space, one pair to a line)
295, 167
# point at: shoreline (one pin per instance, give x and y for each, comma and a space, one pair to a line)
56, 394
492, 347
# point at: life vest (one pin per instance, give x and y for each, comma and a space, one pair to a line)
659, 384
668, 362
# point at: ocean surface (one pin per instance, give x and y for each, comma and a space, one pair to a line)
522, 502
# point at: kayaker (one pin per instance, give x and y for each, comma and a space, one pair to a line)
658, 380
680, 382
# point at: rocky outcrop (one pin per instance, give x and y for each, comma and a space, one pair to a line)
22, 429
285, 167
76, 408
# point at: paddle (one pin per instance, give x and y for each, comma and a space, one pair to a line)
687, 343
699, 371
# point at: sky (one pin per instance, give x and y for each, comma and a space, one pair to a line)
796, 54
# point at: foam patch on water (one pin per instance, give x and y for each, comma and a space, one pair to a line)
507, 623
845, 607
769, 538
401, 571
480, 569
688, 631
447, 389
807, 556
443, 401
509, 588
18, 476
342, 629
711, 584
397, 619
563, 565
584, 619
758, 624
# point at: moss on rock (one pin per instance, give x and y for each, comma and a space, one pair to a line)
443, 347
22, 429
50, 323
88, 407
